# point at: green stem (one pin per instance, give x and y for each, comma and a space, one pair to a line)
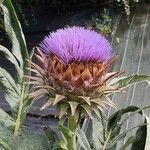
72, 125
19, 115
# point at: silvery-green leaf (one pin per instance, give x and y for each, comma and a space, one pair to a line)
14, 31
6, 119
126, 81
13, 60
82, 139
97, 133
11, 89
87, 109
129, 141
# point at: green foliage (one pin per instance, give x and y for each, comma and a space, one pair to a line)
105, 135
53, 139
13, 136
26, 140
126, 81
16, 92
83, 140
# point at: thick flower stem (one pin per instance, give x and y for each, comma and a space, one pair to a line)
72, 125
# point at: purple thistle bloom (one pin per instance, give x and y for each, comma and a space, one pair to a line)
77, 44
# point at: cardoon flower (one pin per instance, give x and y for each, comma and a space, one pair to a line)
72, 71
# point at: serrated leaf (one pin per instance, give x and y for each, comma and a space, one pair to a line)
73, 106
29, 140
58, 98
124, 82
116, 117
82, 139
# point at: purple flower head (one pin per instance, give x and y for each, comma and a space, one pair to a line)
76, 44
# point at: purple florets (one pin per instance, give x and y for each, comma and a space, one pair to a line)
76, 44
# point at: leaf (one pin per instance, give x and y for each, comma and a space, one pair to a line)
12, 90
4, 145
86, 99
48, 103
73, 106
29, 140
26, 140
147, 143
4, 117
38, 93
96, 110
116, 117
66, 135
87, 109
114, 125
129, 141
124, 82
13, 60
82, 139
14, 31
65, 131
15, 94
58, 98
52, 136
97, 133
142, 140
62, 109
